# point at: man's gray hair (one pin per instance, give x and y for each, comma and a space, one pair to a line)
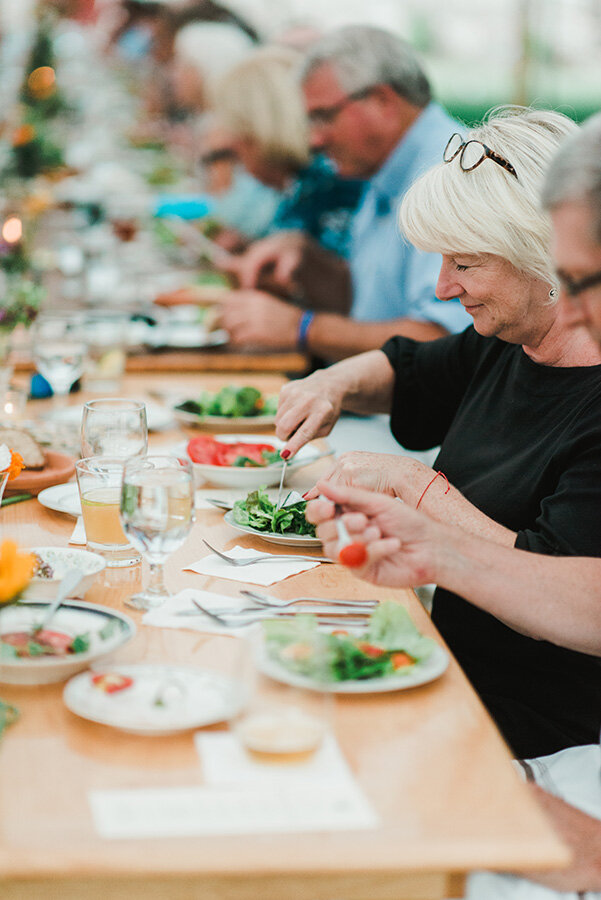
575, 172
363, 56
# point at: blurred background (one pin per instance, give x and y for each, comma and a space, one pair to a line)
478, 52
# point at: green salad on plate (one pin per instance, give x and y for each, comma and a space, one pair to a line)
232, 403
390, 645
258, 511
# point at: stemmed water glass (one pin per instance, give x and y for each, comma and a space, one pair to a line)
157, 513
59, 351
114, 427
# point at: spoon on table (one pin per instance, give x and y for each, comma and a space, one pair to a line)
69, 582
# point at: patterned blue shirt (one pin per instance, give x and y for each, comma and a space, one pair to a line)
322, 204
391, 278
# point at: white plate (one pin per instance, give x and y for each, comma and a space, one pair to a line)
241, 423
158, 417
251, 477
288, 540
63, 498
185, 336
192, 697
73, 617
421, 673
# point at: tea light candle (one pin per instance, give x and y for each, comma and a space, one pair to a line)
12, 405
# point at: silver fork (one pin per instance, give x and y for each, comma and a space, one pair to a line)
249, 560
235, 620
267, 601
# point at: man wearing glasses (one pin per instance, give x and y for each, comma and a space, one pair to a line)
369, 109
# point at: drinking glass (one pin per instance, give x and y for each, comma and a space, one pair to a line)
99, 479
59, 351
106, 334
114, 427
283, 722
157, 513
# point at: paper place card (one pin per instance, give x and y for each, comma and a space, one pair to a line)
242, 809
79, 533
264, 573
225, 762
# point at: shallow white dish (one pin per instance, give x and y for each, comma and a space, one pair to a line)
158, 417
73, 618
288, 540
240, 423
191, 697
61, 559
421, 673
63, 498
251, 477
185, 336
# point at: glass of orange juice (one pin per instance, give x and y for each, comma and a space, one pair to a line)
99, 479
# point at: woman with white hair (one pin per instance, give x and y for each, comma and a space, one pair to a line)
203, 53
515, 403
259, 102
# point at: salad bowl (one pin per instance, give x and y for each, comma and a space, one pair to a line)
247, 477
57, 561
99, 631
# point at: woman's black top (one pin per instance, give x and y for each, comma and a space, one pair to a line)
522, 442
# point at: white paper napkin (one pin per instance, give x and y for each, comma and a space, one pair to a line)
264, 573
166, 615
79, 533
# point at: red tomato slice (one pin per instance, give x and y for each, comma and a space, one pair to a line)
111, 682
370, 649
203, 450
353, 555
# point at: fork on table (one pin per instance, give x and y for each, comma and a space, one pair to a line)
267, 557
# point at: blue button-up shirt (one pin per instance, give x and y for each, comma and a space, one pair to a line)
391, 278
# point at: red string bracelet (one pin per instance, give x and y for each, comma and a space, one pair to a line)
429, 485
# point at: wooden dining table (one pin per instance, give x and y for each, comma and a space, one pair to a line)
429, 760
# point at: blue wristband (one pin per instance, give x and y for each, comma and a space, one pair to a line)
303, 328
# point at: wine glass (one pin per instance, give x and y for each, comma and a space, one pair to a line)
157, 513
59, 351
114, 427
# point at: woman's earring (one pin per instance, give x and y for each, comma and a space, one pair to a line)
553, 294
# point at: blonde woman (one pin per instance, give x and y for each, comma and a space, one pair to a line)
260, 103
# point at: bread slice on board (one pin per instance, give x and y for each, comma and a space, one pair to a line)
23, 443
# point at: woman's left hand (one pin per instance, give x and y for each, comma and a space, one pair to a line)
384, 473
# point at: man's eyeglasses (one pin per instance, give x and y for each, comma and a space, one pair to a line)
326, 115
575, 286
472, 154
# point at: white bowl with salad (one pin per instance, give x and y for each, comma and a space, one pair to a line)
242, 461
79, 634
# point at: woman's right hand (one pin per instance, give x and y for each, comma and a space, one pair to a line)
400, 542
307, 409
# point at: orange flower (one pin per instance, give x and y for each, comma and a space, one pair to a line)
16, 571
16, 465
